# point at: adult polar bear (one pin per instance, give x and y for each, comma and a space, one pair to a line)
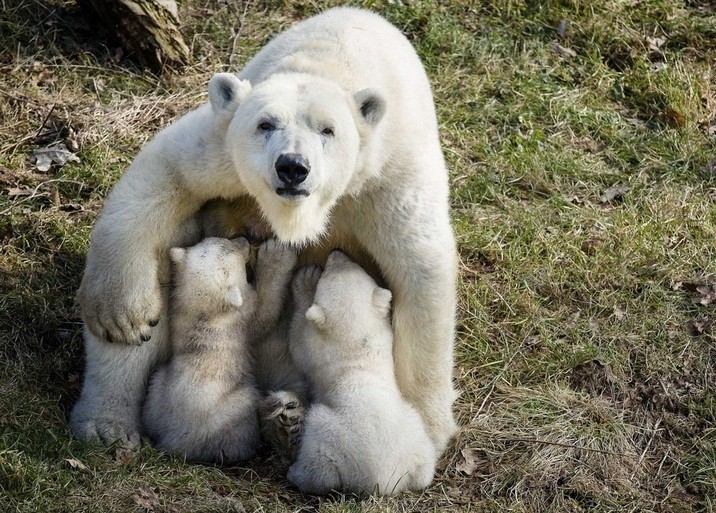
329, 134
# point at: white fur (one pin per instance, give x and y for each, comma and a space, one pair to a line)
202, 403
379, 183
360, 435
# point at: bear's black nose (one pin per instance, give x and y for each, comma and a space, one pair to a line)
292, 168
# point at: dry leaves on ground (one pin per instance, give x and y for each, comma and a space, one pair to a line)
58, 154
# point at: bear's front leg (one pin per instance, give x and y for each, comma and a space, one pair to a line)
150, 209
412, 242
113, 388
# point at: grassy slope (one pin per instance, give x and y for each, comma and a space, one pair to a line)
585, 383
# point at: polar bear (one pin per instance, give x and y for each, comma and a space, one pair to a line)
360, 435
203, 403
327, 138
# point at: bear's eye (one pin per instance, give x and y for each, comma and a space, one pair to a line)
327, 131
266, 126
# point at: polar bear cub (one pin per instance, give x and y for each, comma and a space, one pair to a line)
203, 402
360, 435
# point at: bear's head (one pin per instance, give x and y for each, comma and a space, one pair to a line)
298, 143
210, 277
350, 314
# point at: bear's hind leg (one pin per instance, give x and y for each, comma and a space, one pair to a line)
314, 474
108, 409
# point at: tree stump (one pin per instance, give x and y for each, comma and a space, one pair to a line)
147, 29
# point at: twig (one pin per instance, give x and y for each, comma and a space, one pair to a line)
116, 70
17, 98
10, 148
44, 121
493, 384
568, 446
34, 193
648, 444
238, 32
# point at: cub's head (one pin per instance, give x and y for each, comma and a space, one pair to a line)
350, 308
210, 277
297, 143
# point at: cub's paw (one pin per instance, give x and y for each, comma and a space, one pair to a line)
274, 256
281, 415
305, 281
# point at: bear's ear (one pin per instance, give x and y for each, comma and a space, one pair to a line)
234, 297
381, 300
176, 255
242, 244
316, 315
371, 104
226, 92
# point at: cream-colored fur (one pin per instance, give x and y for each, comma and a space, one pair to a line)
360, 435
203, 403
346, 92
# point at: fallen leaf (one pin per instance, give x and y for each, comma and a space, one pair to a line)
124, 456
705, 295
562, 28
118, 55
71, 207
574, 199
709, 169
655, 43
699, 326
76, 464
71, 141
674, 118
563, 51
58, 154
23, 190
146, 498
44, 77
589, 246
468, 464
615, 193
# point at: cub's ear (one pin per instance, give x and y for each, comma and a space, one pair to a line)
234, 297
243, 245
371, 104
337, 257
381, 299
176, 255
316, 315
226, 91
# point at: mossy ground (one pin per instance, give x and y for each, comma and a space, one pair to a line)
581, 142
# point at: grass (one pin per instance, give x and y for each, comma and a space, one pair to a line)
584, 355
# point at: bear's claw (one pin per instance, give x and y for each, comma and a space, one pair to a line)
281, 416
108, 432
305, 281
274, 257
